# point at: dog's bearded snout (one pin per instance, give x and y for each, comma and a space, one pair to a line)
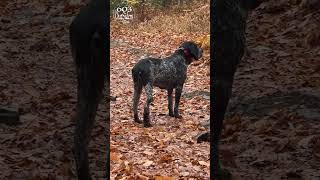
200, 53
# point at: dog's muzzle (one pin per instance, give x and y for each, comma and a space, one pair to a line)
200, 53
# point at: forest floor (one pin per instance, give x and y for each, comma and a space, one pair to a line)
273, 125
38, 76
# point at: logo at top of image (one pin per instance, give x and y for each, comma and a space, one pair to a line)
124, 13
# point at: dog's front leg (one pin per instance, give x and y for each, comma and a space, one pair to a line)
146, 113
222, 87
177, 100
170, 102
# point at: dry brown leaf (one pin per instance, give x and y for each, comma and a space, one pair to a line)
147, 163
148, 152
163, 178
203, 163
115, 157
141, 177
167, 158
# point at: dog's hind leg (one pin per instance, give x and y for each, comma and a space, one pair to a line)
91, 70
146, 113
88, 51
136, 98
170, 102
177, 100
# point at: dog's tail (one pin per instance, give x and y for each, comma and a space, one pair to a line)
141, 72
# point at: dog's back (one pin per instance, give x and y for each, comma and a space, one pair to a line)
171, 71
163, 73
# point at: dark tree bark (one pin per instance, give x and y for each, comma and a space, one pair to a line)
141, 11
166, 3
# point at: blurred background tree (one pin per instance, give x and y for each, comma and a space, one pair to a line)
144, 9
154, 3
170, 15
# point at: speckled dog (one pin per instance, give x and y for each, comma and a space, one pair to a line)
168, 73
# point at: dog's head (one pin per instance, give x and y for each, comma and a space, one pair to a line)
192, 49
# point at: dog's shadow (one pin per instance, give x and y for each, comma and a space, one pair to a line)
203, 94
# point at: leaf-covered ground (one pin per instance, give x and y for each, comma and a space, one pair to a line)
167, 150
37, 75
273, 130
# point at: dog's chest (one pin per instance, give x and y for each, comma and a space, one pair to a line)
169, 74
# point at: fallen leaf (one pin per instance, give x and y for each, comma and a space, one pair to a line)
203, 163
147, 163
163, 178
115, 157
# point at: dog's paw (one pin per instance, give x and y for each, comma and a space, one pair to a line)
146, 122
147, 125
224, 174
137, 120
178, 116
171, 114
